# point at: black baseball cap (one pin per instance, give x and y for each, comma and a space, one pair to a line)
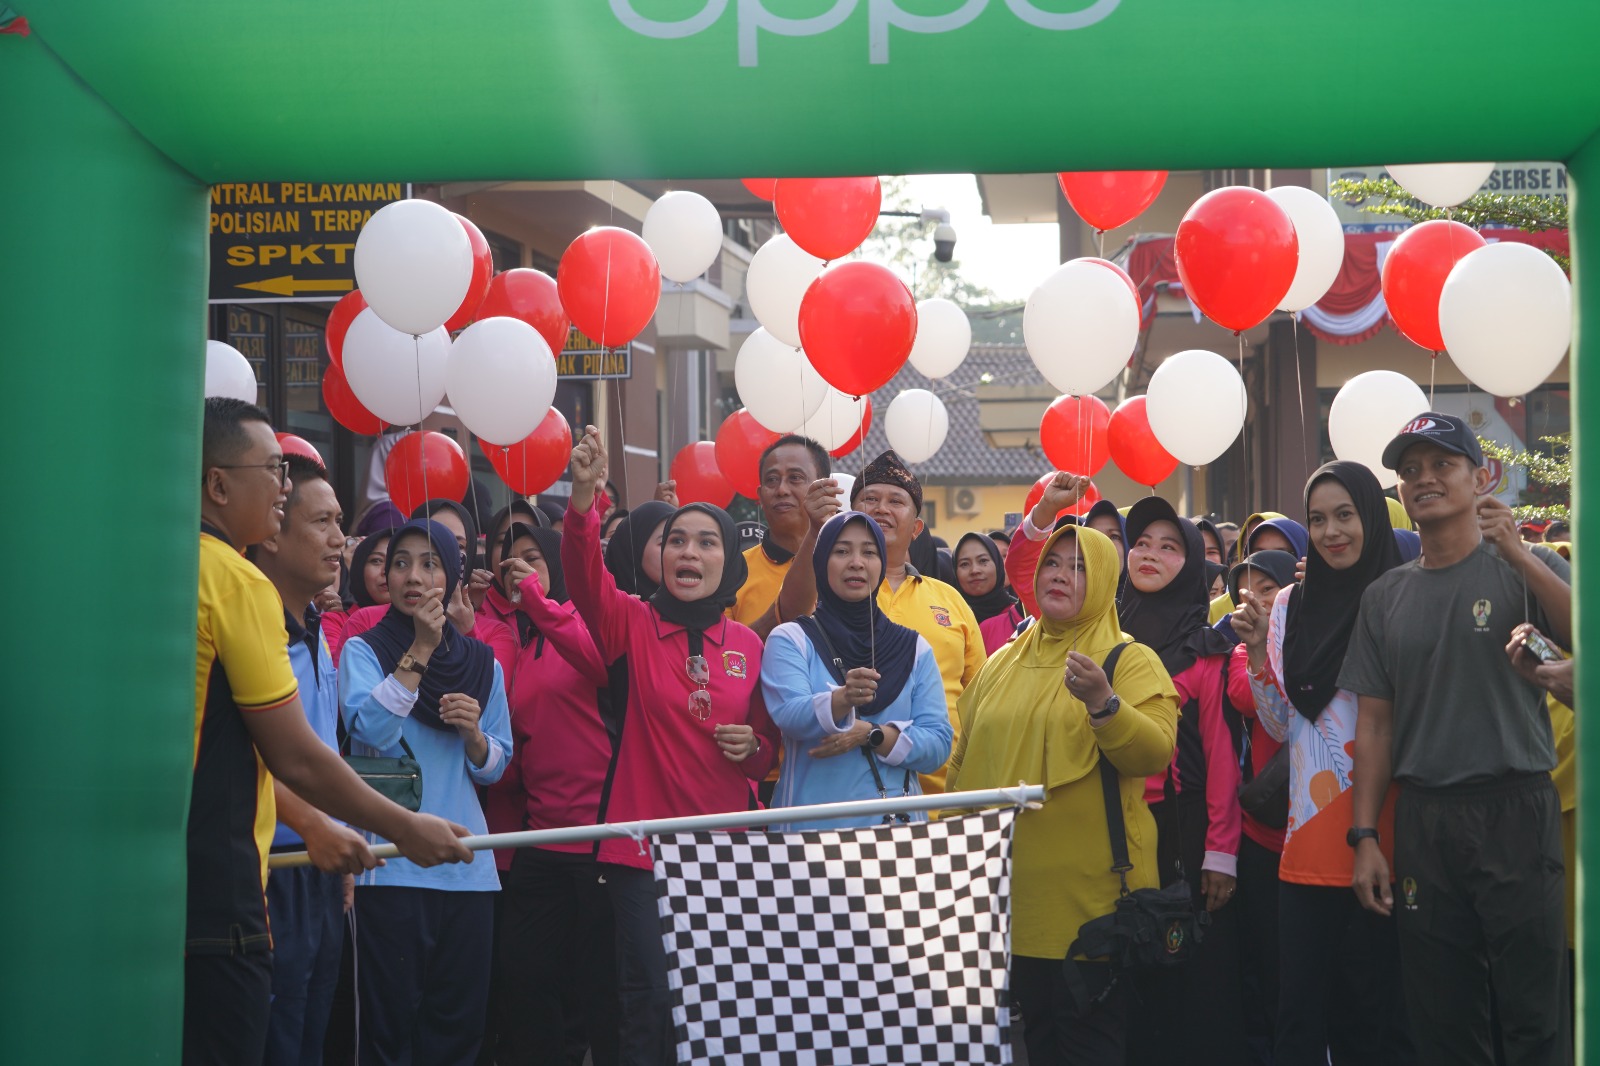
1447, 431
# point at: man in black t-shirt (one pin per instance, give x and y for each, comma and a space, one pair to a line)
1477, 845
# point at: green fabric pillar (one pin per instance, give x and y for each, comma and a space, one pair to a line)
1585, 228
102, 284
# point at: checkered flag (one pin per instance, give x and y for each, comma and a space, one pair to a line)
879, 945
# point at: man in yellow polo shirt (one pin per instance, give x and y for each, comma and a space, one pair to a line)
247, 721
892, 496
789, 466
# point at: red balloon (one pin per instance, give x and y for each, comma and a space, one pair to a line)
535, 462
482, 270
740, 442
342, 404
1073, 434
858, 436
532, 296
1237, 253
1035, 494
1134, 447
425, 466
293, 445
699, 478
1413, 276
344, 312
1107, 199
857, 324
766, 188
610, 284
828, 217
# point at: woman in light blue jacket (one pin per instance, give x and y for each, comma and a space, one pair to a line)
859, 699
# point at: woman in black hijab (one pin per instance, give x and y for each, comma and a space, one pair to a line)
633, 554
1296, 646
1164, 605
694, 736
981, 580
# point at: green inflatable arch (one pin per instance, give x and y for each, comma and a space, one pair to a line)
120, 114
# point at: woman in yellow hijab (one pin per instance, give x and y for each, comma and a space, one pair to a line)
1042, 711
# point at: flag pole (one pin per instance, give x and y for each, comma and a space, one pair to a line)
1020, 795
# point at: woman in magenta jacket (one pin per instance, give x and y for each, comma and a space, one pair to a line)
694, 735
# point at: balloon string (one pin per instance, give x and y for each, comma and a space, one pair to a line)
1244, 414
1433, 376
1300, 394
422, 440
1100, 236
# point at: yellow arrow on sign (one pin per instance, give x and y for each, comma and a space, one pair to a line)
290, 286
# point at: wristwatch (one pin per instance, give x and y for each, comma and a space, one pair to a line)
1113, 705
875, 737
1355, 836
412, 663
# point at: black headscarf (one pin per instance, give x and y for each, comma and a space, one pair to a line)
625, 550
1174, 621
1205, 525
549, 542
858, 633
358, 566
997, 600
518, 510
697, 616
460, 663
1322, 610
468, 523
923, 554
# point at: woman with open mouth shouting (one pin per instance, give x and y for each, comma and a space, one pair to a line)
694, 736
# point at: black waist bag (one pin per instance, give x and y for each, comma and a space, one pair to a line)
1149, 929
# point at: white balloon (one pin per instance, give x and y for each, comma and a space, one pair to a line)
229, 373
1506, 317
1366, 415
777, 383
1196, 405
836, 421
944, 337
1441, 184
846, 482
916, 424
398, 377
413, 265
685, 232
500, 378
1321, 238
1080, 325
779, 275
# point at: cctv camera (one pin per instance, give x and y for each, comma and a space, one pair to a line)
944, 242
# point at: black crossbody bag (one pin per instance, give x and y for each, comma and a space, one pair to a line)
1150, 928
398, 778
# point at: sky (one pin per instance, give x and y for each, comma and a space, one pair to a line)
1009, 259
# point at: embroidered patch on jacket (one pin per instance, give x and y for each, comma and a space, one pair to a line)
941, 615
733, 664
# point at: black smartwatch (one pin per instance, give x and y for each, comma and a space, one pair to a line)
1355, 836
875, 738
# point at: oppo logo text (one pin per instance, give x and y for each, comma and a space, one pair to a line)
753, 18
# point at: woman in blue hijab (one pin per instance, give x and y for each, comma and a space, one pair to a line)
859, 699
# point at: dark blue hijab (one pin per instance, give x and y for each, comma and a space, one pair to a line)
1293, 531
849, 635
460, 663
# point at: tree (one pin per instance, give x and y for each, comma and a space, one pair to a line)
1385, 196
1549, 491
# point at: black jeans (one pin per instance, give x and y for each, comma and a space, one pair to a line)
1339, 967
1257, 902
1055, 1030
227, 1000
646, 1031
557, 954
1479, 894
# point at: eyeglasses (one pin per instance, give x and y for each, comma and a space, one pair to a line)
278, 467
699, 671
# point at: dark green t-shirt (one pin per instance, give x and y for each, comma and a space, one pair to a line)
1433, 641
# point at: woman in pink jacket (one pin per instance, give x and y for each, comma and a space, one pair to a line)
694, 735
